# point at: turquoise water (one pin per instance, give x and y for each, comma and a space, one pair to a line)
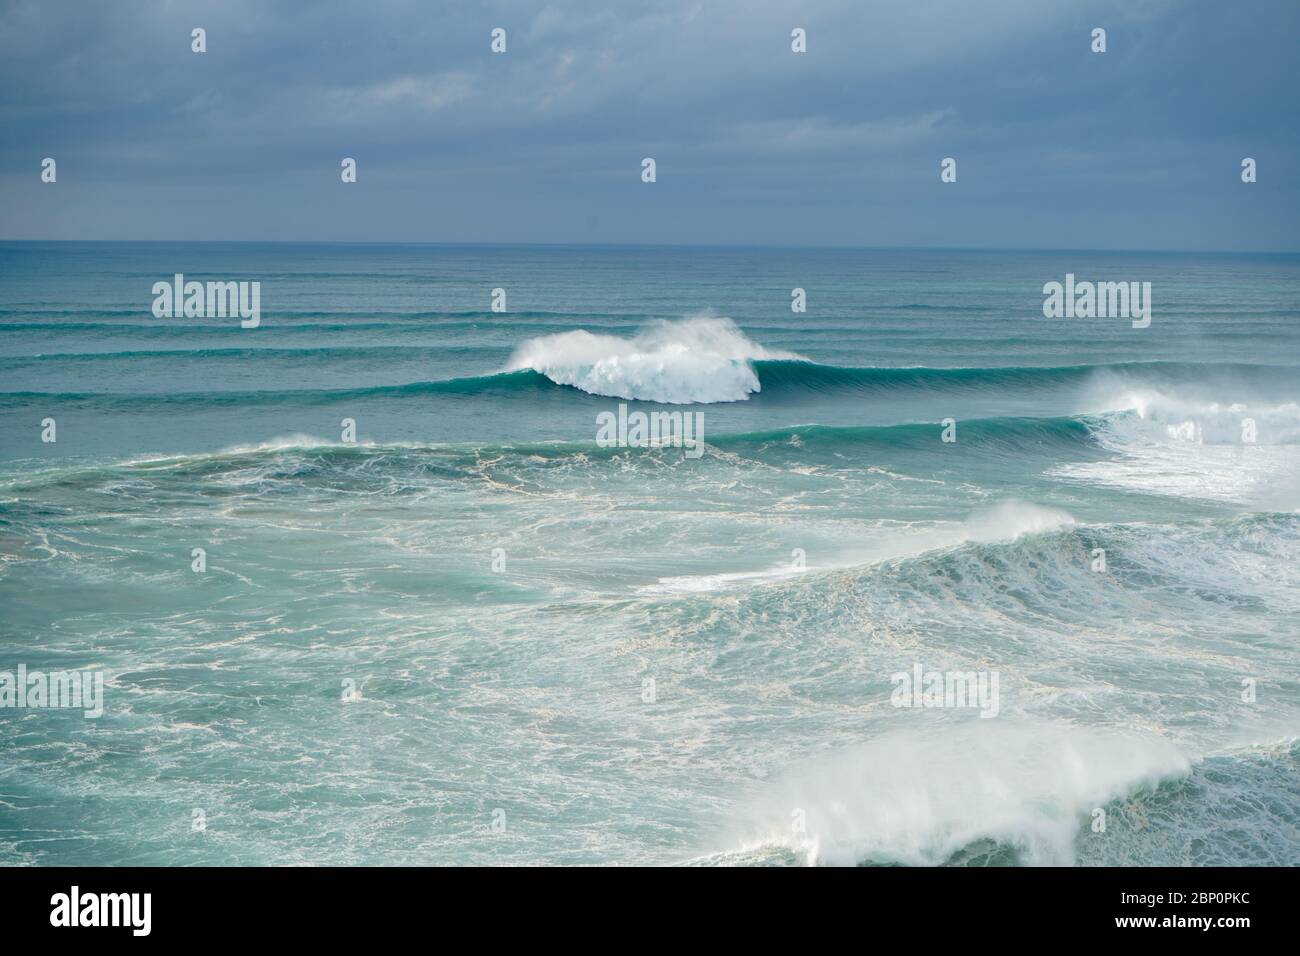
500, 590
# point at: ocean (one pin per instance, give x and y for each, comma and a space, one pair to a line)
475, 635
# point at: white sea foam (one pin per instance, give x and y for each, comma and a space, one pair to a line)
918, 796
700, 359
1184, 419
1174, 443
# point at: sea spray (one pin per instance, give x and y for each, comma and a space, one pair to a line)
919, 796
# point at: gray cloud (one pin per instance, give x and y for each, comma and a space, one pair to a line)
1136, 148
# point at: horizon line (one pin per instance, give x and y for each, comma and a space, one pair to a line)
667, 245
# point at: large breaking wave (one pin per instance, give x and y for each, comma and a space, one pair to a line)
697, 360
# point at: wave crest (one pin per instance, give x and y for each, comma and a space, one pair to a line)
918, 798
701, 359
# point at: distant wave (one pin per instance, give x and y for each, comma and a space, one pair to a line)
503, 383
244, 355
392, 314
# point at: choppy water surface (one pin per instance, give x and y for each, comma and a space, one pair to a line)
633, 655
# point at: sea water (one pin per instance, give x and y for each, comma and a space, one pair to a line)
472, 634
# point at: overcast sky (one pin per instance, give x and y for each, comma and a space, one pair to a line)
1056, 147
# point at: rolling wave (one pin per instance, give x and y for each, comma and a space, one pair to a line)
782, 376
800, 443
703, 380
1029, 788
1021, 795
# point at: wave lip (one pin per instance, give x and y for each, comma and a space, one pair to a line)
698, 360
